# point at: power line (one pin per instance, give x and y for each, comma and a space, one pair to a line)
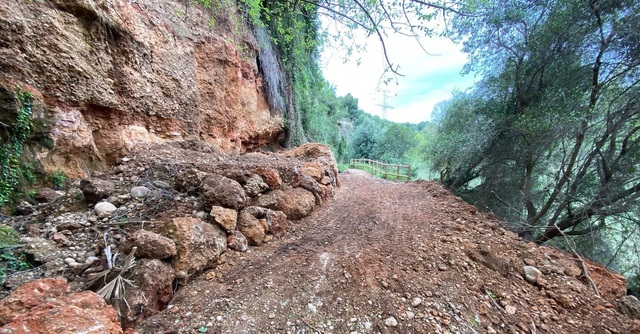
385, 104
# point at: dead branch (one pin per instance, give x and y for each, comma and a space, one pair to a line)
585, 271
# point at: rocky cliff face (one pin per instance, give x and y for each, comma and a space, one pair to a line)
109, 76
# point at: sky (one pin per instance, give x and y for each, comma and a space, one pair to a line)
428, 77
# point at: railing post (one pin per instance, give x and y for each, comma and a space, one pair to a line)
409, 173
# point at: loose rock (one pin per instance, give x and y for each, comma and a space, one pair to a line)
391, 322
629, 305
226, 218
198, 244
139, 192
83, 312
532, 274
221, 191
30, 295
95, 190
150, 245
104, 208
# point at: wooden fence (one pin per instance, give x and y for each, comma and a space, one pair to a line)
387, 171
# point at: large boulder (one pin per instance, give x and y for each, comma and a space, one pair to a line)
46, 195
319, 153
41, 250
30, 295
313, 169
82, 312
296, 203
268, 200
152, 293
255, 222
94, 190
150, 245
218, 190
189, 181
254, 185
250, 226
198, 245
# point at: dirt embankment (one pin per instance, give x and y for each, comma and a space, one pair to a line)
388, 257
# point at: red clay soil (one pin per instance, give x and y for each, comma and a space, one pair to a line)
386, 257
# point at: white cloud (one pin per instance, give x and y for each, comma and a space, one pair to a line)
428, 77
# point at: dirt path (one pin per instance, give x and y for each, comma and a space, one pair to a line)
386, 257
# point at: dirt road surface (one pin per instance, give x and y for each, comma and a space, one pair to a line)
387, 257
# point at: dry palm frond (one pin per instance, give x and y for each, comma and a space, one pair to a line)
113, 285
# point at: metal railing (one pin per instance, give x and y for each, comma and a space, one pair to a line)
381, 169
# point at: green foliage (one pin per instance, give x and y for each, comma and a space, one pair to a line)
59, 180
364, 141
549, 138
342, 167
11, 149
395, 143
11, 260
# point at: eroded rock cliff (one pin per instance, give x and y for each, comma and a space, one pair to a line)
109, 76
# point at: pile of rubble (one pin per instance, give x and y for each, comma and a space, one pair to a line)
176, 210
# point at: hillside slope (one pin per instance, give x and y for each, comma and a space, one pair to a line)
387, 257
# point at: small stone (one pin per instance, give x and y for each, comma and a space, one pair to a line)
272, 315
410, 315
69, 260
91, 259
532, 274
237, 242
572, 270
59, 238
161, 184
226, 218
442, 267
104, 208
139, 192
510, 309
391, 322
211, 275
416, 301
312, 308
202, 215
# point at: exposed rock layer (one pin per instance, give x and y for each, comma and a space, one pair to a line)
111, 76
